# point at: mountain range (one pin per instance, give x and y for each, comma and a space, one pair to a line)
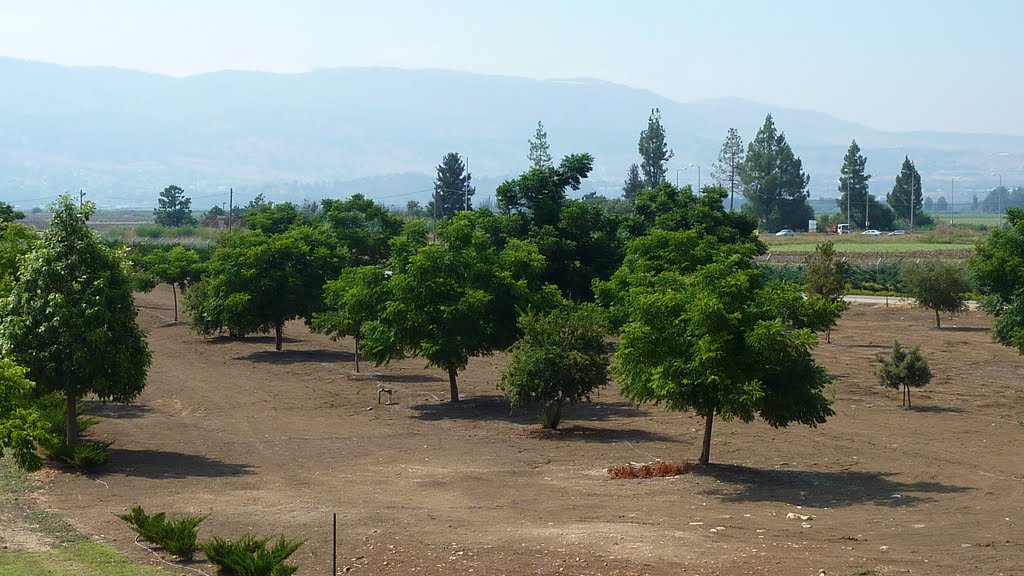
122, 136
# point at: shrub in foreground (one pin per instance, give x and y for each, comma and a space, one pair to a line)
249, 555
177, 536
653, 470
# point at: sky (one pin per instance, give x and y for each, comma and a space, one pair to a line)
891, 65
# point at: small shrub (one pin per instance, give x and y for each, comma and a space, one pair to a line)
84, 456
177, 537
903, 368
87, 454
249, 555
653, 470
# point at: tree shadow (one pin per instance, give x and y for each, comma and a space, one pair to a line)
937, 409
114, 410
320, 356
574, 433
819, 489
409, 378
964, 329
269, 340
162, 465
499, 408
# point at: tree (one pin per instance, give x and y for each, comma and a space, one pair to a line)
539, 195
561, 357
726, 171
175, 209
928, 205
774, 182
908, 184
270, 218
654, 152
939, 285
452, 189
714, 342
21, 429
458, 298
903, 368
71, 317
178, 267
363, 226
8, 214
353, 301
826, 278
864, 209
633, 184
539, 155
941, 205
998, 267
256, 282
16, 240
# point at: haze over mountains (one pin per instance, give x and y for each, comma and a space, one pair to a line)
122, 136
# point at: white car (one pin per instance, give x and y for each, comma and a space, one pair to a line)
785, 232
897, 233
871, 232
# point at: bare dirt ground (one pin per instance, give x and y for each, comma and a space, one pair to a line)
278, 441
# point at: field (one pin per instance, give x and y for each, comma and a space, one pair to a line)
277, 442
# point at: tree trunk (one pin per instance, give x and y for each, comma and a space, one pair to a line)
452, 373
278, 334
908, 397
705, 451
552, 415
175, 292
938, 323
357, 354
71, 420
828, 335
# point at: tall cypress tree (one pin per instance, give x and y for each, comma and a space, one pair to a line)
654, 152
908, 183
726, 171
865, 211
539, 156
452, 190
774, 182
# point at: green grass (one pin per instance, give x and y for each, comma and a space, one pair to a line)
83, 559
71, 553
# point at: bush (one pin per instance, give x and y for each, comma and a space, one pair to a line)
178, 536
903, 368
87, 454
249, 556
653, 470
84, 456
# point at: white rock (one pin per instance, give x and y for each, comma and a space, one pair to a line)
795, 516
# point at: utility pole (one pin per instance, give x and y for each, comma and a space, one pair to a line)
848, 202
999, 200
231, 205
912, 188
951, 180
867, 220
81, 199
465, 188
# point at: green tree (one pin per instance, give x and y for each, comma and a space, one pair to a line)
561, 357
654, 152
853, 185
256, 282
633, 184
998, 267
459, 298
8, 214
364, 227
774, 182
174, 208
539, 156
71, 317
452, 190
714, 342
928, 205
940, 206
938, 285
903, 368
539, 195
178, 266
270, 218
21, 429
726, 172
826, 277
908, 184
16, 240
353, 301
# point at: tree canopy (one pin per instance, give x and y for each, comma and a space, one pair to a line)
21, 429
998, 267
907, 186
865, 210
452, 189
353, 301
726, 171
539, 156
174, 208
70, 318
654, 151
939, 285
903, 368
633, 184
774, 182
716, 342
177, 266
8, 214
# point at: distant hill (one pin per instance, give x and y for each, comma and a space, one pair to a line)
122, 135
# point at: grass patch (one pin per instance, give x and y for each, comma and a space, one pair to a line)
652, 470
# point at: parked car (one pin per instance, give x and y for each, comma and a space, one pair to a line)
871, 232
897, 233
785, 232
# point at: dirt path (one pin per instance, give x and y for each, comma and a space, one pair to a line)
277, 442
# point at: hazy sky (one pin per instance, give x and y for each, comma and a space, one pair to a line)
893, 65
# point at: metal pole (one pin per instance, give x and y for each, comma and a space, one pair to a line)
999, 200
951, 180
465, 188
231, 206
848, 203
335, 571
912, 182
698, 177
867, 221
677, 177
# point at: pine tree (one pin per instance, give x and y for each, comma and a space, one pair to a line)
175, 209
774, 182
864, 209
899, 197
654, 152
452, 190
539, 156
726, 171
633, 184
